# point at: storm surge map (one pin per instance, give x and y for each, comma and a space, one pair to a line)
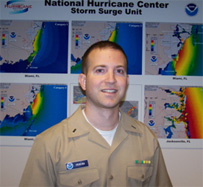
174, 111
174, 49
29, 109
127, 35
33, 47
127, 106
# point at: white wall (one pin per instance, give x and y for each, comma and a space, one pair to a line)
185, 166
12, 163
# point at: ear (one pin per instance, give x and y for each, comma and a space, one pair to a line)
82, 81
128, 79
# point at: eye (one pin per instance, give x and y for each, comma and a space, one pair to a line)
120, 71
99, 70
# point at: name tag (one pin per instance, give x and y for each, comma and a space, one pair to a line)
78, 164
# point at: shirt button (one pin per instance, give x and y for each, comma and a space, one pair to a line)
79, 182
142, 176
111, 177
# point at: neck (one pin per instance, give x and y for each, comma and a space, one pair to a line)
103, 119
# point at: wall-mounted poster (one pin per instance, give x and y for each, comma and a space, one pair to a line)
174, 113
42, 43
174, 49
34, 46
127, 35
130, 105
29, 109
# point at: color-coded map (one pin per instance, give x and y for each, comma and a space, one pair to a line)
174, 49
29, 109
174, 111
33, 47
130, 108
127, 106
78, 95
127, 35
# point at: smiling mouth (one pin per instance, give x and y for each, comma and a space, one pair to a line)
109, 91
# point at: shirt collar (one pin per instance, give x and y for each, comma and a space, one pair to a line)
130, 124
76, 129
77, 124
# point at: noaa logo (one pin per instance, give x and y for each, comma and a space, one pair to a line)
153, 58
13, 35
151, 123
86, 36
11, 98
191, 9
69, 166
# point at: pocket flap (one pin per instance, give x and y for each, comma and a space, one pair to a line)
140, 173
77, 178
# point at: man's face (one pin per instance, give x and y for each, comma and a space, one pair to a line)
106, 80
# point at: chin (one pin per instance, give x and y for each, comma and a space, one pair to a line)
111, 105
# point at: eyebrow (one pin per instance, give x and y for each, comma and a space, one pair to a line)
104, 66
99, 66
121, 66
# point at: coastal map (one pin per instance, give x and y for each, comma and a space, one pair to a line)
78, 95
130, 108
29, 109
127, 106
33, 46
174, 111
174, 49
127, 35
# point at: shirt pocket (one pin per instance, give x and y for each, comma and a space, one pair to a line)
139, 174
78, 178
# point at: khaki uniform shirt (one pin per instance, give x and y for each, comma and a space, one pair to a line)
73, 153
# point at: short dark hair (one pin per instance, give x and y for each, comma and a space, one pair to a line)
100, 45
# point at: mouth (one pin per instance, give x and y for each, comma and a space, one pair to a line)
109, 91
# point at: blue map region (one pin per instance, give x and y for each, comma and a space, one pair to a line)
129, 37
52, 55
168, 131
168, 70
53, 110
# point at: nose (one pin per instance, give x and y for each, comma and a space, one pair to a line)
110, 77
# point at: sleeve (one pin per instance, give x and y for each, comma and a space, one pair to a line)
160, 175
39, 169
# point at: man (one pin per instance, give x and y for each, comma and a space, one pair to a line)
98, 145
